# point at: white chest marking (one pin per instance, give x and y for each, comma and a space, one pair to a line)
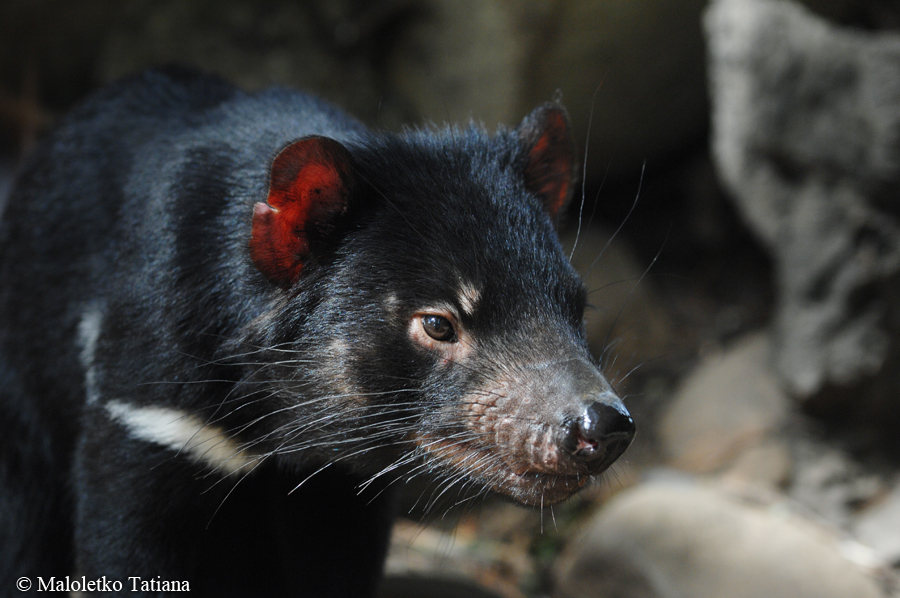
184, 433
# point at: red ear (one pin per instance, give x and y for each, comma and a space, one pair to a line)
309, 188
549, 171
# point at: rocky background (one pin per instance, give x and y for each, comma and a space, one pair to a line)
739, 230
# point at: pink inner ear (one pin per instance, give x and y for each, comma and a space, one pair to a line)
306, 191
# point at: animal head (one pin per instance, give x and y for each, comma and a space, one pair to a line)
421, 280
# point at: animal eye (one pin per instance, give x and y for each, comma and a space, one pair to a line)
438, 327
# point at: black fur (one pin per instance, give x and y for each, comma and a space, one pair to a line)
135, 215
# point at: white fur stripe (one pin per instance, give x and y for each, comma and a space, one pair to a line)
88, 332
182, 432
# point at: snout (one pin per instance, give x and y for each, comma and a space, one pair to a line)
599, 435
540, 432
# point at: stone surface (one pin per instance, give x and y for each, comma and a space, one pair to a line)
463, 59
632, 67
396, 62
806, 135
627, 323
673, 539
830, 482
331, 47
879, 527
438, 558
422, 586
865, 14
725, 406
768, 464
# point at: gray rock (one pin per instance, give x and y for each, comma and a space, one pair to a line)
627, 323
635, 66
497, 60
462, 59
830, 482
806, 136
332, 47
727, 405
401, 61
430, 561
680, 539
879, 527
413, 586
768, 464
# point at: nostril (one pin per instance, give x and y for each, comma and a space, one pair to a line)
602, 431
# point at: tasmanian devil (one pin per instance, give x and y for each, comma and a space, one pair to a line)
231, 322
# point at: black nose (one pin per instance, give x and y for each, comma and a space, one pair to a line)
600, 435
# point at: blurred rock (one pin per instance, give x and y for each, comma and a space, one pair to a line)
767, 464
671, 539
401, 61
464, 59
330, 47
830, 482
445, 561
53, 44
865, 14
627, 323
728, 404
879, 527
421, 586
495, 61
634, 68
806, 134
432, 587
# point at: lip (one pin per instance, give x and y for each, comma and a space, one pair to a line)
529, 487
541, 489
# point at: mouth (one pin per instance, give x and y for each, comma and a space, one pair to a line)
540, 489
525, 483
